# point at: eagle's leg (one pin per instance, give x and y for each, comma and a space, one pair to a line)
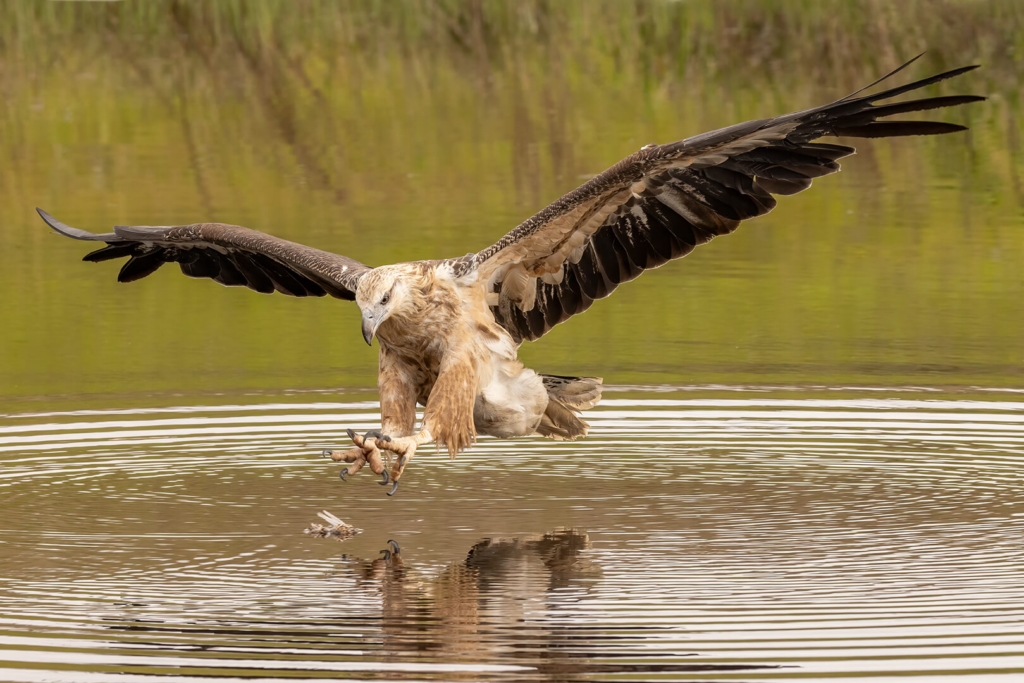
398, 392
448, 417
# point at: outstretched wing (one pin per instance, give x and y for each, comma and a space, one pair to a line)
661, 202
229, 254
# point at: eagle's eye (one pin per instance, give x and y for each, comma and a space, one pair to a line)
385, 299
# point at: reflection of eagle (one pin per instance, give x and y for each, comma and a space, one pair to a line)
449, 330
558, 552
491, 589
538, 601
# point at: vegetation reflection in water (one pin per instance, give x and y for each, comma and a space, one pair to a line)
368, 136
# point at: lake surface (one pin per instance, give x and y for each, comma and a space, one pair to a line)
808, 463
698, 534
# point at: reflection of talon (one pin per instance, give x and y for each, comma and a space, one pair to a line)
394, 487
394, 551
384, 476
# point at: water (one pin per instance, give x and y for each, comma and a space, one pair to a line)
808, 462
697, 534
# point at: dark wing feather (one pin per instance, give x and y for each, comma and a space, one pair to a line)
663, 201
229, 254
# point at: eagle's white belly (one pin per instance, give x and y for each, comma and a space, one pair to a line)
512, 403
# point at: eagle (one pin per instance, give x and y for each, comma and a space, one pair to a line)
449, 330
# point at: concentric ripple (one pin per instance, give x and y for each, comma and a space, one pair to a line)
695, 535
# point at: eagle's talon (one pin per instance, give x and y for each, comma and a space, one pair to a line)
342, 474
385, 477
326, 453
351, 434
394, 487
373, 434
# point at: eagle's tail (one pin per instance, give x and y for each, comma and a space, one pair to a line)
566, 397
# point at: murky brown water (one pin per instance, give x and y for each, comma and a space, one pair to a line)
699, 534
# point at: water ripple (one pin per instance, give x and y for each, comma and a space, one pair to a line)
689, 537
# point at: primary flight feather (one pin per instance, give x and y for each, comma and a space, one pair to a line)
449, 331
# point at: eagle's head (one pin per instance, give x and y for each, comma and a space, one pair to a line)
382, 293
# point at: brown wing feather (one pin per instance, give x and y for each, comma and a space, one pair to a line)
229, 254
663, 201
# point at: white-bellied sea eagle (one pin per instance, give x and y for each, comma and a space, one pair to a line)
449, 330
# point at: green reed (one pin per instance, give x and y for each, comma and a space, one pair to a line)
822, 39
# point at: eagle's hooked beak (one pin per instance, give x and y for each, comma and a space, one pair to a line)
369, 327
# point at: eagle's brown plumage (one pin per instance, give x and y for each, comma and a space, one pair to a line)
661, 202
229, 254
449, 330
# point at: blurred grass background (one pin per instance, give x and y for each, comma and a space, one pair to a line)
821, 39
401, 130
